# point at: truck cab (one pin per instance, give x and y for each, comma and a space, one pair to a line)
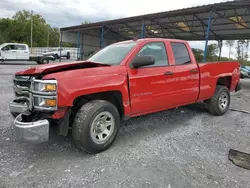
14, 51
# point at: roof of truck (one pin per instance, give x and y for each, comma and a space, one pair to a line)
12, 44
151, 40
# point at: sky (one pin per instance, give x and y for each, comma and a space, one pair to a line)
63, 13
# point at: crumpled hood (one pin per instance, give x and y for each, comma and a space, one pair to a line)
56, 67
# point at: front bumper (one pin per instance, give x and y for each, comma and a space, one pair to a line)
26, 129
31, 131
19, 105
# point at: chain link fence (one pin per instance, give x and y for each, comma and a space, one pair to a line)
74, 52
41, 50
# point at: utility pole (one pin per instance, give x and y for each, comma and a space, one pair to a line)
59, 38
31, 30
48, 38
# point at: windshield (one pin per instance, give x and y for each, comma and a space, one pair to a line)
113, 54
1, 45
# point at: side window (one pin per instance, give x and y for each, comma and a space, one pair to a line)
9, 47
6, 47
181, 54
156, 49
20, 47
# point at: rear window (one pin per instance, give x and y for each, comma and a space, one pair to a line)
181, 54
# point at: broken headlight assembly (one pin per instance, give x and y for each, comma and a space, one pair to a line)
44, 94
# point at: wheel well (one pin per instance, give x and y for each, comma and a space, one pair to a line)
114, 97
225, 81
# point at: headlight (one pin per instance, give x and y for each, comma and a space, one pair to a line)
44, 102
44, 86
44, 94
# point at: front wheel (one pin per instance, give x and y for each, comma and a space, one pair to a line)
95, 126
220, 102
56, 56
68, 55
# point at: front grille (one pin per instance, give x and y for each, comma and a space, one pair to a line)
22, 83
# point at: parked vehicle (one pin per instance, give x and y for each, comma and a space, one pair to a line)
244, 72
58, 52
20, 52
124, 80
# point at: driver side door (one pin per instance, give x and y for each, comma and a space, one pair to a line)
150, 86
9, 52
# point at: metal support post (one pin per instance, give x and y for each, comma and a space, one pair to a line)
220, 44
78, 45
142, 30
60, 46
102, 37
207, 37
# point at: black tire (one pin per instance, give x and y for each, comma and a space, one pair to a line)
56, 56
215, 106
45, 61
68, 55
81, 127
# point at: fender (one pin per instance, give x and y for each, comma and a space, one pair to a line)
75, 83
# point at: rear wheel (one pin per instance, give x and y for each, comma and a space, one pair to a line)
45, 61
220, 102
95, 126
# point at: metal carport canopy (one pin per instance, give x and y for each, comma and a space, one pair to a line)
221, 21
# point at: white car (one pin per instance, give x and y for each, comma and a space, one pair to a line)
20, 52
58, 52
14, 51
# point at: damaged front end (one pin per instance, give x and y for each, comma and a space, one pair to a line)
35, 103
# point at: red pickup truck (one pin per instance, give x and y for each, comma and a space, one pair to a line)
121, 81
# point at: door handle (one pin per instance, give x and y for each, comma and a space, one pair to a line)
193, 70
168, 73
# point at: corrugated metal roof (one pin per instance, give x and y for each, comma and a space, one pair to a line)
230, 21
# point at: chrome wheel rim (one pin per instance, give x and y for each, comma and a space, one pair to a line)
102, 127
223, 101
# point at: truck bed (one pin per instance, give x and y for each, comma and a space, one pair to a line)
210, 72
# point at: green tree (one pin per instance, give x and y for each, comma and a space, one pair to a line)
85, 22
17, 29
212, 50
230, 44
198, 53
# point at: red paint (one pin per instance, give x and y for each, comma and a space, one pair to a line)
60, 113
143, 90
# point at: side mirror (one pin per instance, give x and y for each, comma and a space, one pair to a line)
141, 61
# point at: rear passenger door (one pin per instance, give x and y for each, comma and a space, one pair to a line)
186, 74
22, 52
151, 86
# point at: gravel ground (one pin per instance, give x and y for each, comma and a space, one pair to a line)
184, 147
